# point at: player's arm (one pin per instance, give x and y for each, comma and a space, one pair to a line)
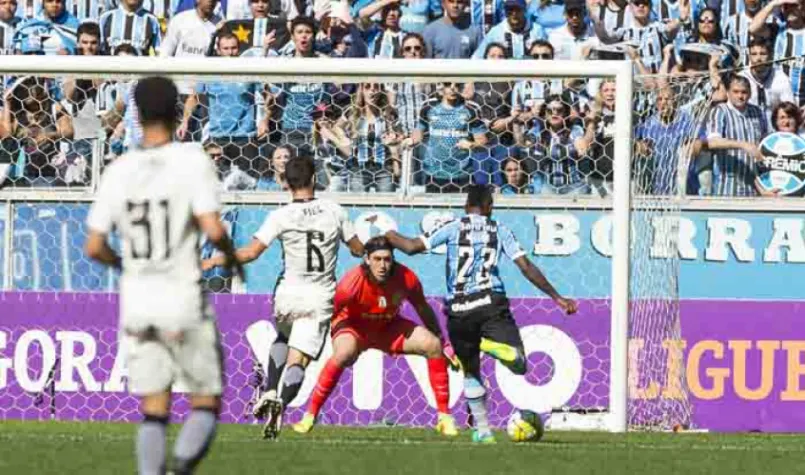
100, 222
407, 245
434, 238
512, 248
97, 248
416, 296
211, 225
538, 279
244, 255
348, 234
206, 205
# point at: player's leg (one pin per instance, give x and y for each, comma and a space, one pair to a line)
200, 362
150, 368
406, 337
347, 346
277, 358
151, 433
465, 335
500, 338
305, 343
197, 433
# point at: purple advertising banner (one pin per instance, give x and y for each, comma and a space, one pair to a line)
742, 365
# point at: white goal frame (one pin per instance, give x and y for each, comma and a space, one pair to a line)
387, 70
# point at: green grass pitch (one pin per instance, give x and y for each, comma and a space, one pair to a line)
90, 448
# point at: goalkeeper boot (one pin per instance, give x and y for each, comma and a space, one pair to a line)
446, 425
483, 437
306, 424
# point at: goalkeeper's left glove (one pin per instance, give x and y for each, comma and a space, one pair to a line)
450, 354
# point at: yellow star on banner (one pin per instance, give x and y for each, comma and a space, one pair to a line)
242, 34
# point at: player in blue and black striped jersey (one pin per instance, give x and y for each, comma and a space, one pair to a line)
478, 315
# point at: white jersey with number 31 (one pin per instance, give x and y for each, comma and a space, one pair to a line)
310, 232
151, 197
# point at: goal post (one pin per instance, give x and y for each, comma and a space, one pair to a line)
615, 416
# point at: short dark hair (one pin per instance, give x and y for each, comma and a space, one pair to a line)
377, 243
227, 35
88, 28
735, 78
126, 48
759, 42
479, 196
303, 20
157, 98
299, 172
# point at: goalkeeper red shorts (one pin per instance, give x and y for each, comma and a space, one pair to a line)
387, 336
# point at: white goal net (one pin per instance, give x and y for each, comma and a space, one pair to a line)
396, 141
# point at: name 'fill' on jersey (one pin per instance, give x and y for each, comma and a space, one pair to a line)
474, 245
309, 232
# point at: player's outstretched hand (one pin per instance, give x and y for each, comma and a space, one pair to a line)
568, 305
450, 354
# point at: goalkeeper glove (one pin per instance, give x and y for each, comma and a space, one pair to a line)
450, 354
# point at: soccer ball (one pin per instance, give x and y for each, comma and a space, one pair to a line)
525, 426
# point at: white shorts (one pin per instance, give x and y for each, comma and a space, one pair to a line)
306, 335
195, 360
303, 313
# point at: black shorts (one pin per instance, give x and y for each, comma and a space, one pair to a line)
481, 316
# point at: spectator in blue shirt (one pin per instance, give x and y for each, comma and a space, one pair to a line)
548, 14
232, 111
450, 130
55, 12
664, 141
453, 36
515, 33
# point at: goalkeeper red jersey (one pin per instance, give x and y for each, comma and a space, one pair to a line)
359, 297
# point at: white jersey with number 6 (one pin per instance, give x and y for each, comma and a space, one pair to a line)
151, 197
310, 232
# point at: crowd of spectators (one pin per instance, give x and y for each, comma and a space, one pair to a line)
717, 77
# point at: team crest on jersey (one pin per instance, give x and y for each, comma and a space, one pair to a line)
381, 302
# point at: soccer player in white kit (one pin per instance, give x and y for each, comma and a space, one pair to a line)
160, 199
310, 231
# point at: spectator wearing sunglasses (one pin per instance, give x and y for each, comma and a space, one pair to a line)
450, 129
528, 96
514, 34
554, 147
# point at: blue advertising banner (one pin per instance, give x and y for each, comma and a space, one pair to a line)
724, 255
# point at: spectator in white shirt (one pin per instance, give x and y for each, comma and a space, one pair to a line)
769, 85
571, 40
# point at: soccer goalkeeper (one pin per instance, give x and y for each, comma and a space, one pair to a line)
367, 303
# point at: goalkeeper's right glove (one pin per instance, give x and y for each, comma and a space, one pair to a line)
450, 354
